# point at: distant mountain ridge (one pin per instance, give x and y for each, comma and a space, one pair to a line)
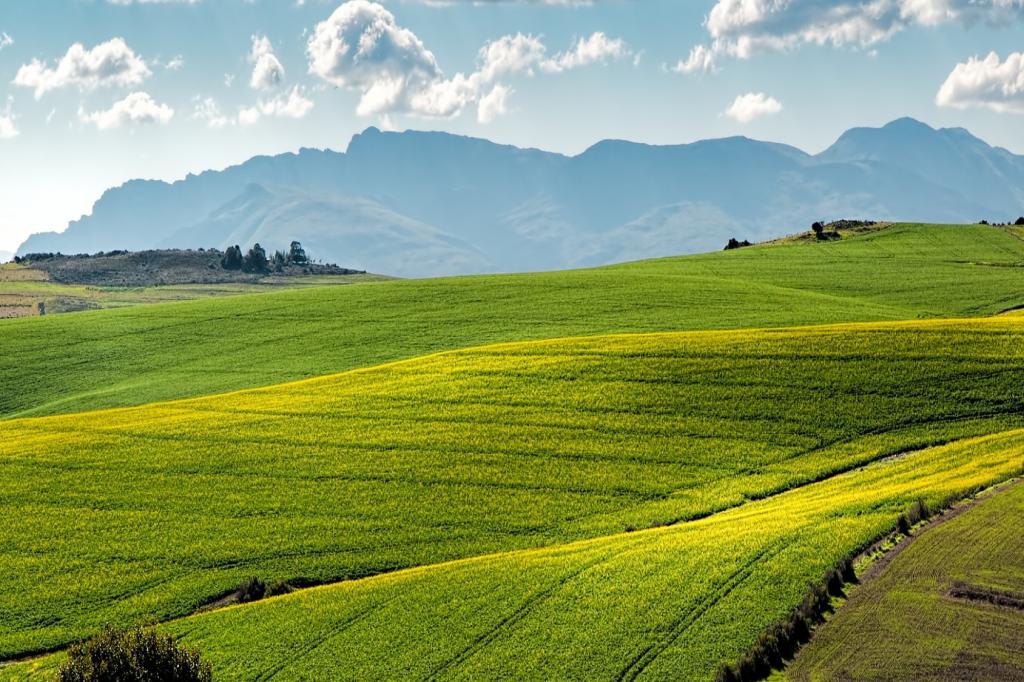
428, 203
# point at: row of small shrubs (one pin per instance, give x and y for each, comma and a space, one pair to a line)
918, 512
781, 641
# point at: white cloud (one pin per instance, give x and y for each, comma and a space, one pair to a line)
7, 127
493, 104
701, 59
361, 47
267, 71
742, 28
207, 109
988, 83
598, 48
745, 108
137, 108
107, 64
175, 63
510, 54
248, 115
5, 40
291, 104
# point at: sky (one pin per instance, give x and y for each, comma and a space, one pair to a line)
96, 92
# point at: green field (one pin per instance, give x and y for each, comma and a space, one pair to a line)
126, 357
925, 616
666, 603
466, 453
617, 506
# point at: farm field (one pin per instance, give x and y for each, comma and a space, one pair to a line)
927, 614
112, 358
665, 603
22, 289
155, 510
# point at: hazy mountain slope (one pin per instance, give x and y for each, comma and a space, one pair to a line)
356, 230
950, 157
424, 203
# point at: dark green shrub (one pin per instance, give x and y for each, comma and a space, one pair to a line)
726, 673
252, 589
1020, 221
847, 571
919, 511
133, 655
903, 524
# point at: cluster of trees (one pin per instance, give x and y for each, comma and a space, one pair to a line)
819, 232
255, 260
49, 255
736, 244
1019, 222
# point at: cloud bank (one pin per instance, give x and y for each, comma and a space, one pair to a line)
988, 83
108, 64
361, 47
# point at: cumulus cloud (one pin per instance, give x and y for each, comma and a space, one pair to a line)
107, 64
493, 104
742, 28
175, 63
7, 127
291, 104
701, 58
362, 47
135, 109
987, 83
5, 40
267, 71
745, 108
206, 109
598, 48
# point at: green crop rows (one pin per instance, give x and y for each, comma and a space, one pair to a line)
614, 506
125, 357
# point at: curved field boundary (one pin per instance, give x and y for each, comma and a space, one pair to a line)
944, 605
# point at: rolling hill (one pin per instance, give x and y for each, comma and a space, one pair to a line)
506, 481
420, 203
500, 475
126, 357
491, 450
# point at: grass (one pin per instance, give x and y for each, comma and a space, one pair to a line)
23, 288
926, 615
115, 358
666, 603
153, 511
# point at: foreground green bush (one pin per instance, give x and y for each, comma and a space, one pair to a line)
133, 655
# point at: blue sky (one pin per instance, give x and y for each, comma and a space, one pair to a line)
200, 84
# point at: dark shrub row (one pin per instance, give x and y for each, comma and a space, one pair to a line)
781, 641
918, 512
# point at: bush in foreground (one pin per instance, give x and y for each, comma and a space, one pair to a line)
133, 655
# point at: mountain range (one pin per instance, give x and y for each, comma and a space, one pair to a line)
428, 203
